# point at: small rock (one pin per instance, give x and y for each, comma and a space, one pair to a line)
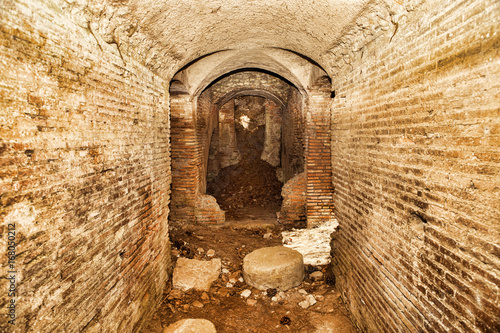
246, 293
200, 250
233, 280
319, 298
195, 274
304, 304
274, 299
204, 296
185, 307
210, 253
197, 304
311, 300
316, 276
241, 279
251, 302
229, 285
302, 291
175, 294
268, 235
191, 326
225, 271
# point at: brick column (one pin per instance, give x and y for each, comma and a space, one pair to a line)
319, 190
184, 158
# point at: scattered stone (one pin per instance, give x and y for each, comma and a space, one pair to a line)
319, 298
224, 291
191, 326
229, 285
175, 294
240, 279
304, 304
225, 271
273, 267
246, 293
311, 299
316, 276
205, 296
200, 250
268, 235
185, 307
197, 304
302, 291
251, 302
210, 253
195, 274
233, 280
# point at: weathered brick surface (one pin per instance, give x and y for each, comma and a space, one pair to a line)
84, 156
415, 155
293, 208
319, 189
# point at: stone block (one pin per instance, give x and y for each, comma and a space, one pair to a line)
195, 274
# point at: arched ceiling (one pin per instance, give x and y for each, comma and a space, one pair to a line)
166, 35
193, 28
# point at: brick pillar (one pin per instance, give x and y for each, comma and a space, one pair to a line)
319, 190
184, 158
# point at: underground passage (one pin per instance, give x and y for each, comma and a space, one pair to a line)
238, 166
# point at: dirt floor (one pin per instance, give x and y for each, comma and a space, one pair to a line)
224, 305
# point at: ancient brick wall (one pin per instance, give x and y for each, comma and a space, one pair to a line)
293, 208
185, 153
319, 189
84, 153
416, 164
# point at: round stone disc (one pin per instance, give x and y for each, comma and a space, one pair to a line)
273, 267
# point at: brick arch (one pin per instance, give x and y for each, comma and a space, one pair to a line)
250, 92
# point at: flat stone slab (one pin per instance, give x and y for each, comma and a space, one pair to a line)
273, 267
195, 274
191, 326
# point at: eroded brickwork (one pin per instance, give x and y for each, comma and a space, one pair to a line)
319, 189
293, 208
416, 164
84, 154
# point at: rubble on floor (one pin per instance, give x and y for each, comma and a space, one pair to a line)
233, 306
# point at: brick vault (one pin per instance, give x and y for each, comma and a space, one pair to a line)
382, 113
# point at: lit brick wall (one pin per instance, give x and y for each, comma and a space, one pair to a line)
84, 154
416, 165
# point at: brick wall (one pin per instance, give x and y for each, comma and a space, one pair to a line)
84, 155
416, 164
185, 152
318, 167
293, 208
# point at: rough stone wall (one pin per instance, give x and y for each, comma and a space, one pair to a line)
272, 145
293, 137
416, 165
85, 179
